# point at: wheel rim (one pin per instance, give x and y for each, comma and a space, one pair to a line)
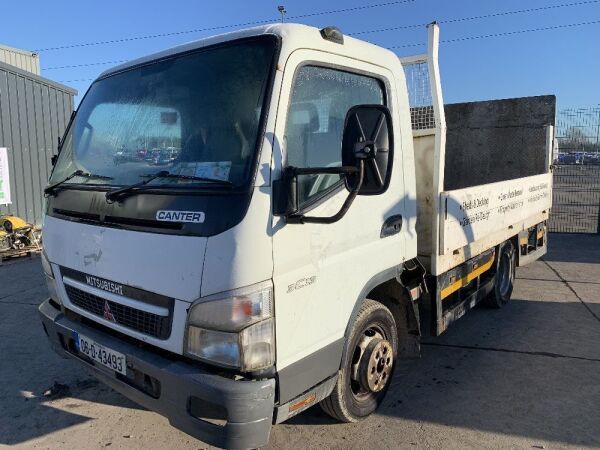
372, 363
505, 274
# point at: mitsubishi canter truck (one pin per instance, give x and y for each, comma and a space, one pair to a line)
319, 210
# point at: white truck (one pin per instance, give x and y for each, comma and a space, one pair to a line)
323, 211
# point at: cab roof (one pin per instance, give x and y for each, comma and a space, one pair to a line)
293, 36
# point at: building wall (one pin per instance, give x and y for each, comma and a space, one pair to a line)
34, 112
22, 59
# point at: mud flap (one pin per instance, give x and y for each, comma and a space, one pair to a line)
532, 244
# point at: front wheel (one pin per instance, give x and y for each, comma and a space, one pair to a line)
505, 276
368, 364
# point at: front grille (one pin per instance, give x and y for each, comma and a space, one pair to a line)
142, 321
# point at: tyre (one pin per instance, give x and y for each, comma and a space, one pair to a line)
505, 276
367, 365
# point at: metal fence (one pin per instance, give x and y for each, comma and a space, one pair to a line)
576, 195
576, 199
578, 136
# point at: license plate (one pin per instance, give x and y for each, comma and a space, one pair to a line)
101, 354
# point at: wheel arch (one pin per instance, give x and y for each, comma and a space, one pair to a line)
387, 289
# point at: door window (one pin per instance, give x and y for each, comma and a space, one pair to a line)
320, 99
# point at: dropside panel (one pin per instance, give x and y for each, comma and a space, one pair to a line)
471, 214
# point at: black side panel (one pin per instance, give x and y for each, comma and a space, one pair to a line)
459, 289
496, 140
309, 371
222, 210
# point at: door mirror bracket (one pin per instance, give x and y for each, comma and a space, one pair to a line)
285, 200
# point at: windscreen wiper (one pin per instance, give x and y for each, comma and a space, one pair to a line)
53, 188
121, 193
194, 178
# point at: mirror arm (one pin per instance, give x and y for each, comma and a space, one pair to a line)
341, 170
345, 207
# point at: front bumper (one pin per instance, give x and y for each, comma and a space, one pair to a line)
176, 389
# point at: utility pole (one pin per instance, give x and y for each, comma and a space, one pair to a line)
282, 11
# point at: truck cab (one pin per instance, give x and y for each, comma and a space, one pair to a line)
272, 262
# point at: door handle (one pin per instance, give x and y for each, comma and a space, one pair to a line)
391, 226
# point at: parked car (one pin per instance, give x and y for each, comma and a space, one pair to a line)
141, 153
123, 155
165, 156
591, 158
570, 158
162, 157
151, 154
174, 153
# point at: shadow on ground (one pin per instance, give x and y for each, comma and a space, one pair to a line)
33, 377
495, 374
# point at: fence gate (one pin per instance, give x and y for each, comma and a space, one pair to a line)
576, 199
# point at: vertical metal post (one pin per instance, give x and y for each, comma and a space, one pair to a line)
549, 146
433, 44
597, 154
598, 132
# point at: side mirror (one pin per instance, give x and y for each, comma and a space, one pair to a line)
53, 160
368, 137
366, 164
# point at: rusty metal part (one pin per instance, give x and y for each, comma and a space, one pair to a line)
376, 366
373, 368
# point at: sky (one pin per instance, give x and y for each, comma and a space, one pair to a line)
563, 61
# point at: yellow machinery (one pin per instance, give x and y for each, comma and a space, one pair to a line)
15, 233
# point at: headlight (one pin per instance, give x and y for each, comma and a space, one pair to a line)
233, 310
234, 329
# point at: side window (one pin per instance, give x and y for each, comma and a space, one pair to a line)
320, 99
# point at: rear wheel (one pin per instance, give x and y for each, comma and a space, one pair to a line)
505, 276
367, 366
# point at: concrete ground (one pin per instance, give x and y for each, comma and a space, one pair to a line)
526, 376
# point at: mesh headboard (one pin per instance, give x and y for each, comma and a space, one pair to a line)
424, 87
419, 95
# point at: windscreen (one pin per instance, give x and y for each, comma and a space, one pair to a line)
196, 114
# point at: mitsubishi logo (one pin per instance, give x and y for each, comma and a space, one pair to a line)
108, 315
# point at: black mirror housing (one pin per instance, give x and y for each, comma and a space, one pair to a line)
285, 194
368, 136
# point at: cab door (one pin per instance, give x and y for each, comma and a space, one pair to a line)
321, 269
